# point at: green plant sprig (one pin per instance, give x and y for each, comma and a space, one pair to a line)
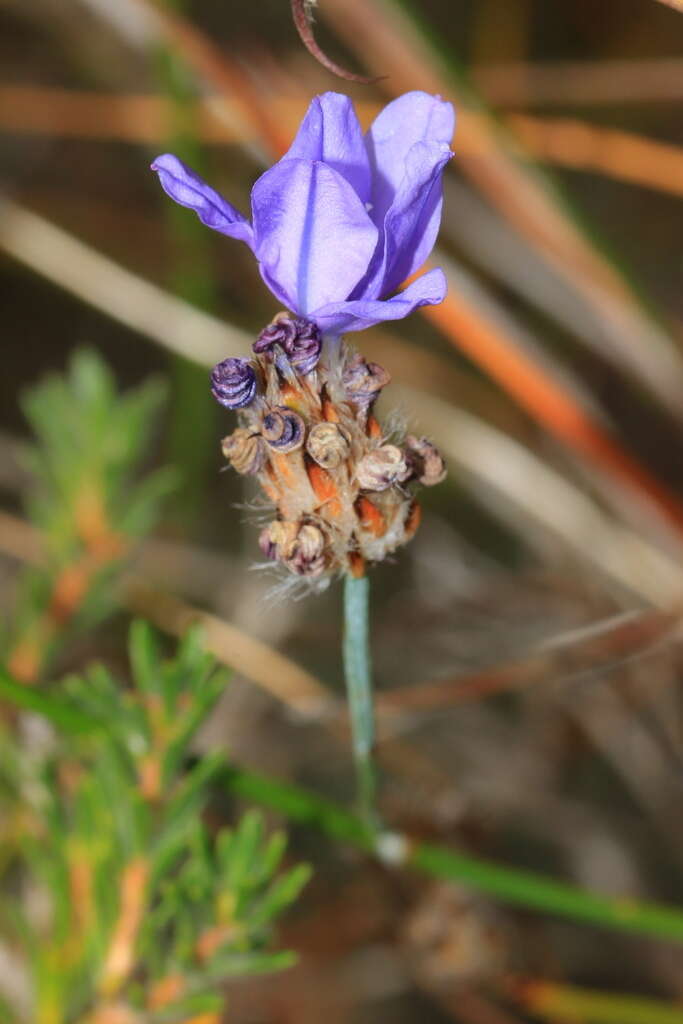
147, 908
86, 501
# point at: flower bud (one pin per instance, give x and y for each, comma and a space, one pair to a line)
277, 538
300, 546
304, 352
283, 429
298, 337
328, 444
233, 383
381, 468
306, 556
425, 461
363, 381
281, 331
245, 450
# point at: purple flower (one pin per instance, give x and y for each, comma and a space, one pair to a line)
342, 219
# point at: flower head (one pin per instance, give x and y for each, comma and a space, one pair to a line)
343, 218
343, 494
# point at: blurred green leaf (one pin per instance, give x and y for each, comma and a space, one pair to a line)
136, 888
85, 500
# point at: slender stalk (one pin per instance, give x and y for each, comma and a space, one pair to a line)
358, 675
191, 433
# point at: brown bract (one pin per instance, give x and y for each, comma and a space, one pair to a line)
342, 494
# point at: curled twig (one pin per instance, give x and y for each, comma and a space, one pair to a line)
301, 13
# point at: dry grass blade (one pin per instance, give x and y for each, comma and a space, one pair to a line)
214, 67
274, 673
621, 155
80, 270
463, 317
386, 39
35, 110
581, 83
521, 483
596, 649
277, 675
493, 244
141, 21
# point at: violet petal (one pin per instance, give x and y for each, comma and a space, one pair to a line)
412, 221
330, 132
413, 117
184, 186
314, 239
338, 317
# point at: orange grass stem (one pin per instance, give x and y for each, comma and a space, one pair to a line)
546, 401
566, 1003
120, 957
135, 118
216, 68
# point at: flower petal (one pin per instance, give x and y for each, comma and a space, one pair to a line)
339, 317
413, 117
412, 221
184, 186
330, 132
314, 239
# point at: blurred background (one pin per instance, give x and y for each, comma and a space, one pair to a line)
526, 644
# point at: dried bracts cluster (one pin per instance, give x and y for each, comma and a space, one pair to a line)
343, 494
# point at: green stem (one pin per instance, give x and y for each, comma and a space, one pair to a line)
522, 888
358, 675
191, 435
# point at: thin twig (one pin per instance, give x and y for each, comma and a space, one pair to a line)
301, 13
607, 645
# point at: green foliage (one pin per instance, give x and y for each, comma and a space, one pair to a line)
131, 902
86, 502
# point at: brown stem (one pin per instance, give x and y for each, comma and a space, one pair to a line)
302, 20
